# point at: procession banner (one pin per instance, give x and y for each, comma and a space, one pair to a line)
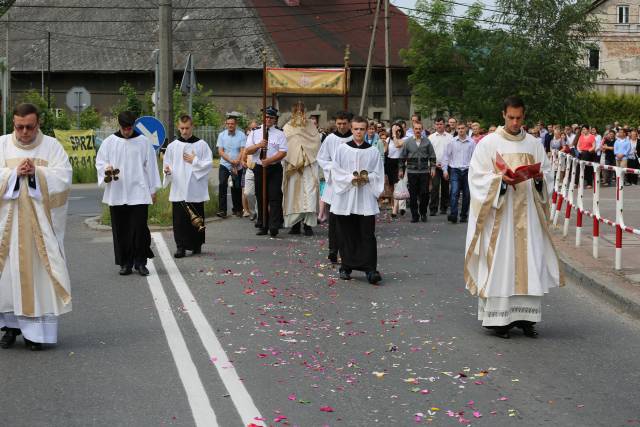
306, 80
80, 146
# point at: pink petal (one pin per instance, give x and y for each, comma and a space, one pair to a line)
326, 409
292, 397
477, 414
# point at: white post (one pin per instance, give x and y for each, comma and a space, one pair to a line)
572, 184
595, 208
619, 217
580, 205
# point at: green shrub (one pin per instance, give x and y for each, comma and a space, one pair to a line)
85, 174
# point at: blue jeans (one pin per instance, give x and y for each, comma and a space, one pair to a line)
459, 183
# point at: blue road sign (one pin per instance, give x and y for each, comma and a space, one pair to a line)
153, 129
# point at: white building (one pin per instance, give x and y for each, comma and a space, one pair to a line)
619, 46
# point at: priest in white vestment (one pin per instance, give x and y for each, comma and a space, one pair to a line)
510, 261
187, 163
128, 171
358, 180
325, 158
301, 183
35, 178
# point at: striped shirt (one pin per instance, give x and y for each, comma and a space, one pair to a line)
457, 154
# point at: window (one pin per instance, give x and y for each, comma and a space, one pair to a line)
623, 14
594, 59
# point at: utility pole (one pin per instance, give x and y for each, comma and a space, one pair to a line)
367, 73
165, 104
387, 70
156, 86
48, 70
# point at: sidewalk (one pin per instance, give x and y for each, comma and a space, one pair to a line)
621, 287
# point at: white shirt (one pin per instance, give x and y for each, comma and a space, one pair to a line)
325, 159
277, 142
440, 142
347, 198
189, 181
138, 178
394, 152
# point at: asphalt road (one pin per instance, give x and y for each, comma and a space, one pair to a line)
299, 347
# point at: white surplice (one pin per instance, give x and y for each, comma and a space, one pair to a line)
189, 181
34, 284
325, 160
510, 259
350, 199
135, 184
300, 185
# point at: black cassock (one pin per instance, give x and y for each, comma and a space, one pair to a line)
357, 242
185, 234
131, 236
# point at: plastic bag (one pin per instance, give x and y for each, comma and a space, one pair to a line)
400, 190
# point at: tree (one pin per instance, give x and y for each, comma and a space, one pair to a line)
90, 119
535, 49
205, 112
131, 102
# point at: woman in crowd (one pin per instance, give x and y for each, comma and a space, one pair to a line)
606, 150
394, 151
587, 150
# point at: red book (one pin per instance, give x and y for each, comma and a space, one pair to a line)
523, 172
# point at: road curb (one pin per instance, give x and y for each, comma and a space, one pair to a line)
622, 294
94, 224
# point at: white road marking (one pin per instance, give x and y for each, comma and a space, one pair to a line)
196, 394
238, 392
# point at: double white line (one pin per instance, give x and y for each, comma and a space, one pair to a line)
196, 394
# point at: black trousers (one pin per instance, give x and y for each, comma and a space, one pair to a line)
588, 170
184, 233
131, 236
274, 196
418, 193
357, 242
236, 190
333, 238
439, 193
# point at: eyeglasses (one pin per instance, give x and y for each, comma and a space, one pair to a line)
111, 175
20, 128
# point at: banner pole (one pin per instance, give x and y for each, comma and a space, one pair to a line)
265, 137
345, 99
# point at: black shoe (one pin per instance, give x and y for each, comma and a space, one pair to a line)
262, 232
373, 277
463, 219
221, 214
196, 251
33, 346
393, 215
333, 257
452, 219
142, 270
253, 217
295, 229
402, 212
125, 270
345, 274
501, 331
180, 253
9, 337
273, 232
433, 213
308, 231
423, 218
529, 329
415, 219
